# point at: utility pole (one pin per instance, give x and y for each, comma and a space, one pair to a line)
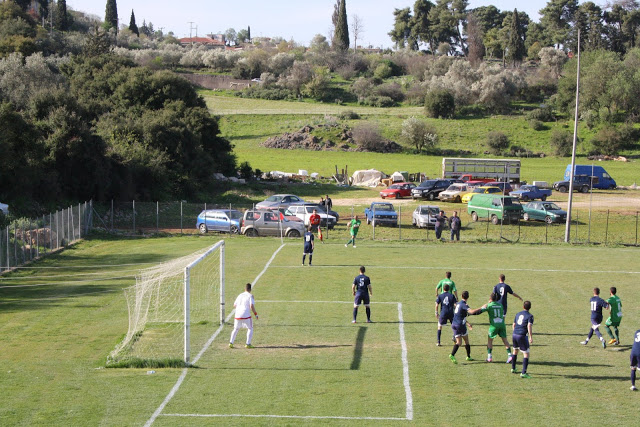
567, 231
190, 34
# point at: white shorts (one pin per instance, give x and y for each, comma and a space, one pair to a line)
243, 323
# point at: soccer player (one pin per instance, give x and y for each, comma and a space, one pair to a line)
615, 318
446, 301
497, 324
635, 359
314, 222
502, 289
308, 245
459, 327
522, 326
244, 305
597, 304
354, 227
447, 281
361, 289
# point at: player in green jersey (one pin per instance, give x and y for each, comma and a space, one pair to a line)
446, 281
354, 227
616, 316
497, 327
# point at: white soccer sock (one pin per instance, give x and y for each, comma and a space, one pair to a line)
233, 336
249, 336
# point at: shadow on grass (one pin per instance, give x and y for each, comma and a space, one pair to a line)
357, 351
559, 335
568, 364
585, 377
301, 346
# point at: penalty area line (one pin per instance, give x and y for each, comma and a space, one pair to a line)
183, 375
302, 417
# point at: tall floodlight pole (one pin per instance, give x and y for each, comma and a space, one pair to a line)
567, 231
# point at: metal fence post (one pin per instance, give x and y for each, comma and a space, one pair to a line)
606, 232
373, 221
400, 222
636, 228
133, 207
180, 216
112, 215
157, 217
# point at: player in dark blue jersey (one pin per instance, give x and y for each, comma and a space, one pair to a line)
597, 304
459, 327
309, 244
361, 289
522, 326
635, 359
446, 301
502, 290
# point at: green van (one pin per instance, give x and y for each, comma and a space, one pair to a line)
496, 207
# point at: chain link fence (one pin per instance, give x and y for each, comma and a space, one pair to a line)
27, 239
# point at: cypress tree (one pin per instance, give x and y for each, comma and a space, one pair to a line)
61, 21
111, 15
341, 34
132, 24
515, 42
249, 33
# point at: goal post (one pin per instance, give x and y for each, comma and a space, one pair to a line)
174, 308
187, 294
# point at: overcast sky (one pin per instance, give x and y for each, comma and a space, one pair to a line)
297, 19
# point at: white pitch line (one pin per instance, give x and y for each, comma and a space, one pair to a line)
303, 417
537, 270
183, 375
323, 302
405, 364
67, 282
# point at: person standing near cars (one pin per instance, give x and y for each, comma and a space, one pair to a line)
440, 222
328, 203
455, 225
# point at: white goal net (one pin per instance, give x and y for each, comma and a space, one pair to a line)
174, 308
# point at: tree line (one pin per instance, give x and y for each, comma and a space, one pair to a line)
450, 26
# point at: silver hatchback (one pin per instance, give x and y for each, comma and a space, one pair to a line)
263, 222
425, 216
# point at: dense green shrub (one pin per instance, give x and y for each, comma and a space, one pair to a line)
349, 115
611, 141
536, 125
498, 142
379, 101
561, 142
270, 93
440, 104
543, 114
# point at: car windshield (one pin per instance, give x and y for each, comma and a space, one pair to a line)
427, 183
551, 207
493, 190
478, 190
236, 215
454, 187
429, 211
395, 186
510, 201
388, 207
526, 188
273, 199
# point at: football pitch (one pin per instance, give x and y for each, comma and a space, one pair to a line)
310, 364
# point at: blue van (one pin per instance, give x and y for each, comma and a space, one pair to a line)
604, 179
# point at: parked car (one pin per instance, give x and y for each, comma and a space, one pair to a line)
380, 213
544, 211
224, 220
265, 222
425, 216
279, 200
430, 189
286, 213
480, 190
581, 183
454, 192
531, 192
504, 186
398, 190
304, 211
495, 207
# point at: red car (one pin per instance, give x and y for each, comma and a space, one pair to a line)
398, 190
504, 186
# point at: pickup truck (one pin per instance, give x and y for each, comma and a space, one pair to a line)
531, 192
381, 214
581, 183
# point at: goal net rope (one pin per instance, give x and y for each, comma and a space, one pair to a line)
174, 308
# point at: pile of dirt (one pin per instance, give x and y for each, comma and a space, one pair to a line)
601, 157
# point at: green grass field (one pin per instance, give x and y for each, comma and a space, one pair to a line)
60, 319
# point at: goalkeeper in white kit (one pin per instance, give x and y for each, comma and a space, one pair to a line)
244, 305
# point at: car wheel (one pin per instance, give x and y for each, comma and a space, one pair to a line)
584, 189
474, 216
494, 220
543, 198
368, 221
458, 200
397, 196
413, 221
525, 216
251, 232
203, 229
234, 229
293, 233
548, 219
562, 189
431, 197
525, 198
382, 197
